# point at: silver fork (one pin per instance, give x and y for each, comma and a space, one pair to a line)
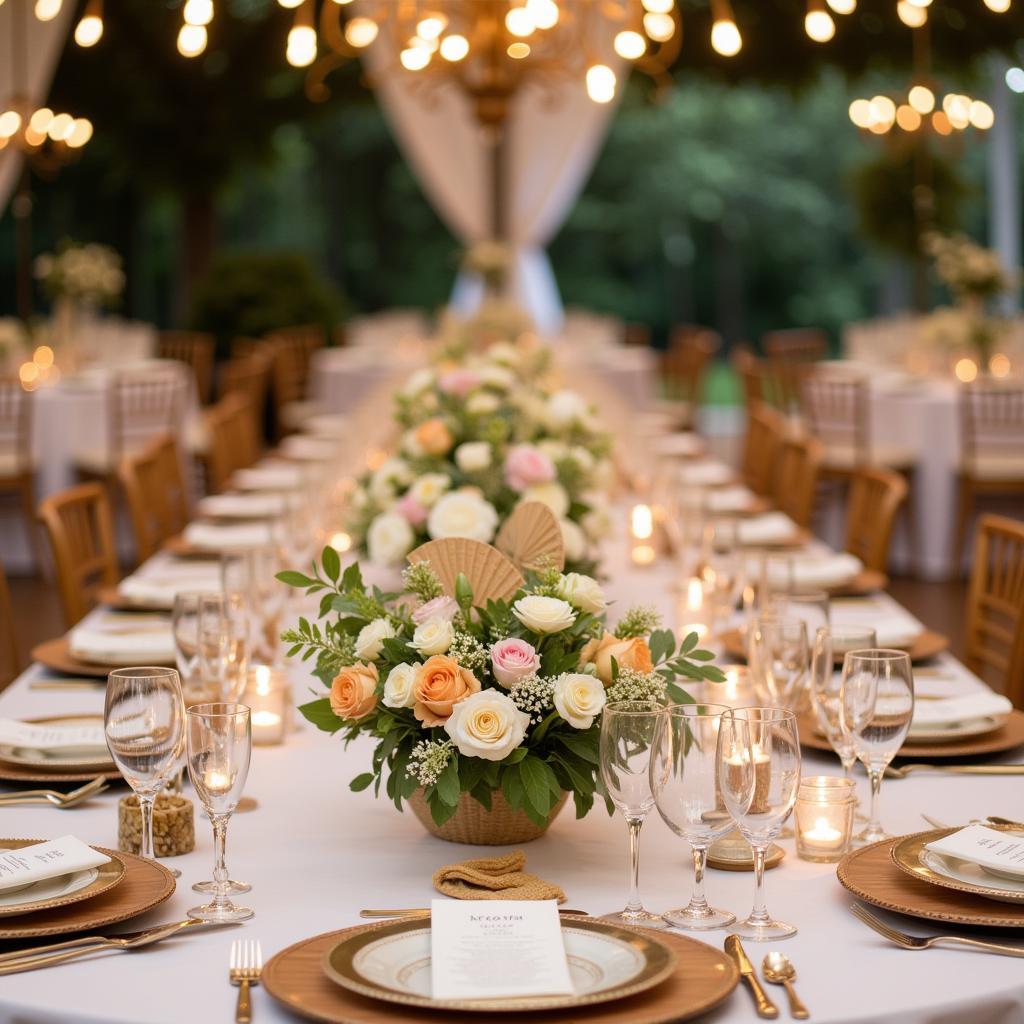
52, 796
905, 941
246, 964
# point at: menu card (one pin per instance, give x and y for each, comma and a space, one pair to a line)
35, 863
997, 851
490, 949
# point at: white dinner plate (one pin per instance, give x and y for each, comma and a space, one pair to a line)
957, 730
65, 758
981, 880
12, 900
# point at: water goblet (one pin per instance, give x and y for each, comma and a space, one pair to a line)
812, 607
779, 657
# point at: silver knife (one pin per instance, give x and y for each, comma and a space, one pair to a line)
764, 1006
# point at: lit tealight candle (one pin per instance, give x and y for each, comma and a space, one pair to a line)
216, 781
267, 696
824, 818
641, 534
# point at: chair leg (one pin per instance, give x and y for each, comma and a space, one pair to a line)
965, 505
32, 528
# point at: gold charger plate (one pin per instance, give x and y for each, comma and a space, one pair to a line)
704, 977
340, 966
867, 581
56, 654
95, 767
926, 645
906, 855
179, 547
870, 874
107, 876
145, 885
113, 598
1008, 736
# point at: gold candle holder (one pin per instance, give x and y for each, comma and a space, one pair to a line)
174, 831
824, 813
268, 695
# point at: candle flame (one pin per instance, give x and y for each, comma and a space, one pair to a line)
642, 522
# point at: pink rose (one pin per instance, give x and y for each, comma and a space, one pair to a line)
526, 465
443, 607
412, 511
459, 382
513, 660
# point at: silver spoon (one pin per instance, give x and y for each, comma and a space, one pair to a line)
777, 969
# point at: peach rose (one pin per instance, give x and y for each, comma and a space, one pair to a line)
441, 682
353, 692
632, 653
434, 437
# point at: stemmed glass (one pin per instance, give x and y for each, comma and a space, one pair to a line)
628, 730
185, 630
759, 774
876, 708
724, 569
252, 574
813, 607
144, 725
684, 778
219, 739
779, 657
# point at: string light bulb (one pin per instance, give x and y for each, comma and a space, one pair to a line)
192, 40
818, 23
912, 15
198, 12
454, 48
80, 134
725, 34
660, 28
89, 30
47, 10
843, 6
999, 6
431, 26
630, 45
360, 32
922, 99
414, 58
519, 22
545, 13
601, 83
658, 6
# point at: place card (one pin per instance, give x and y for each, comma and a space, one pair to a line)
36, 863
493, 949
992, 849
50, 737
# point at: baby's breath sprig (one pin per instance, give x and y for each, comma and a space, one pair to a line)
534, 696
547, 581
428, 759
640, 620
632, 685
468, 651
421, 580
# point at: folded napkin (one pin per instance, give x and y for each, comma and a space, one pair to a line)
995, 851
121, 646
771, 528
893, 626
934, 714
214, 537
311, 449
494, 878
681, 445
66, 738
160, 591
327, 425
241, 506
31, 864
706, 474
273, 477
730, 499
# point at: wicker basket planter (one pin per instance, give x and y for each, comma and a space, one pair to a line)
472, 823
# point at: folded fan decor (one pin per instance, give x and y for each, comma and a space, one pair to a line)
494, 878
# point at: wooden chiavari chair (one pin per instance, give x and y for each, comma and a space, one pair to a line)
683, 368
749, 369
766, 431
636, 335
233, 441
875, 498
17, 465
790, 355
155, 494
992, 450
196, 349
10, 654
995, 605
81, 533
796, 480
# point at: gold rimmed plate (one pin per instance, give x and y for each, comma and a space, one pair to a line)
924, 646
47, 761
62, 890
606, 962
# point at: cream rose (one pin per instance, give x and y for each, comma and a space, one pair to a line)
632, 653
418, 382
398, 686
433, 636
583, 592
567, 409
552, 494
497, 377
353, 691
487, 725
574, 540
388, 478
473, 456
579, 698
482, 404
440, 684
463, 514
428, 488
370, 641
389, 538
544, 614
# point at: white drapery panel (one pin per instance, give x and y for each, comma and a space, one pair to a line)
38, 59
552, 139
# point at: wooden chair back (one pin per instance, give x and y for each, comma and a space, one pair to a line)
155, 494
81, 534
837, 410
875, 497
10, 654
991, 422
750, 370
766, 430
684, 364
196, 349
15, 429
796, 479
144, 405
800, 344
234, 443
995, 605
636, 335
302, 341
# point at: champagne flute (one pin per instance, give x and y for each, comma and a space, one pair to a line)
780, 658
144, 725
684, 779
876, 708
628, 731
219, 739
759, 774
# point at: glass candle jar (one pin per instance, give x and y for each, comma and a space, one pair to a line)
824, 813
267, 694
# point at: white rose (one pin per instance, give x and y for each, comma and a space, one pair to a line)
574, 540
391, 475
579, 698
482, 404
433, 637
554, 450
463, 514
473, 456
429, 487
582, 458
370, 641
487, 724
411, 446
389, 539
552, 494
497, 377
567, 409
418, 382
583, 592
360, 499
544, 614
398, 687
504, 354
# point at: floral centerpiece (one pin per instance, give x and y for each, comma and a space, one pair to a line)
15, 343
89, 274
481, 689
477, 441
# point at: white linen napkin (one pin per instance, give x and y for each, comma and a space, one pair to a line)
256, 505
311, 449
160, 591
121, 645
771, 528
31, 736
935, 714
706, 474
893, 626
268, 477
40, 861
327, 425
215, 537
812, 572
988, 847
680, 445
730, 499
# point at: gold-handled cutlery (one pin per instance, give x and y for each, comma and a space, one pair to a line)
62, 952
764, 1006
64, 801
778, 969
905, 941
67, 684
954, 769
373, 915
996, 820
244, 971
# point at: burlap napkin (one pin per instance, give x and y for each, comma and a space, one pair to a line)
494, 878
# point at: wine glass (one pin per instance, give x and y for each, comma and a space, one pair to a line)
758, 775
826, 684
219, 739
876, 708
684, 779
185, 630
144, 725
628, 731
779, 656
812, 607
253, 574
724, 569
